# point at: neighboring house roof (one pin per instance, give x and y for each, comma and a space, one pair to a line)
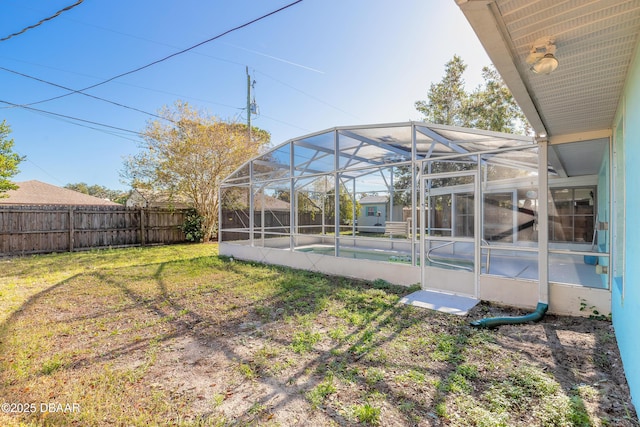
270, 203
40, 193
146, 198
241, 200
371, 200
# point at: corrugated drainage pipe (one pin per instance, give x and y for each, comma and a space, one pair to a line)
492, 322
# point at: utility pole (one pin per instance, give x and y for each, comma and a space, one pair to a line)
252, 107
248, 103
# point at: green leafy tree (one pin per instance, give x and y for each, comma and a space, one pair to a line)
490, 106
188, 154
446, 99
346, 205
99, 191
9, 160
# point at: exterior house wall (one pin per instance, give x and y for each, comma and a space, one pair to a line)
136, 200
367, 223
626, 297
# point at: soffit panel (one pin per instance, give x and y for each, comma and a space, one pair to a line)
595, 41
584, 158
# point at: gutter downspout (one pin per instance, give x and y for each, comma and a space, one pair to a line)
492, 322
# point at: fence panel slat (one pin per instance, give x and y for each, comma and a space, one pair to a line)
42, 229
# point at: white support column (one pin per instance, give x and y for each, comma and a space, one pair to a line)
543, 222
477, 225
251, 205
391, 218
423, 229
611, 215
354, 215
262, 217
336, 180
293, 201
324, 202
220, 215
414, 199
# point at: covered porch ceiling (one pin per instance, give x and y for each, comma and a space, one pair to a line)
595, 43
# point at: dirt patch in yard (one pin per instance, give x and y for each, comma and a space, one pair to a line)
249, 384
205, 341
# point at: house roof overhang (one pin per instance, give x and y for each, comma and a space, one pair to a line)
596, 42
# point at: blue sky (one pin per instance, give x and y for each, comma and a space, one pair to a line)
317, 64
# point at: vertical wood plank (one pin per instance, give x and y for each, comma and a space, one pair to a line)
142, 230
71, 231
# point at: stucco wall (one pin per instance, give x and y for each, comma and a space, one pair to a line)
626, 312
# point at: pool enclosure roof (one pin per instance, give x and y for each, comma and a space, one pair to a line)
355, 150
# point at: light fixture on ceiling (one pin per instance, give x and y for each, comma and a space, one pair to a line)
541, 56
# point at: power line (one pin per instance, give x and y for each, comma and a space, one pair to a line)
82, 93
310, 96
117, 134
71, 117
27, 159
315, 98
246, 24
42, 21
129, 84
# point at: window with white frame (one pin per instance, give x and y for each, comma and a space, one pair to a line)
572, 214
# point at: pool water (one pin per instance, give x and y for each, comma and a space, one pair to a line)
373, 255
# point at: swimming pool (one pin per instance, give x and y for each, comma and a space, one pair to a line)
565, 269
370, 254
388, 256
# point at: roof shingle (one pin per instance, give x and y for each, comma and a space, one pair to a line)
39, 193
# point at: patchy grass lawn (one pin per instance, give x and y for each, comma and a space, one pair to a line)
176, 335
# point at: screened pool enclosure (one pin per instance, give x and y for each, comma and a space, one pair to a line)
493, 216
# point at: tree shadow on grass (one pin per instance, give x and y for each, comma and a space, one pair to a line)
245, 324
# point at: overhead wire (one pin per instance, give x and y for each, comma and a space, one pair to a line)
71, 117
181, 96
82, 93
71, 121
310, 96
123, 83
75, 120
42, 21
27, 159
217, 58
238, 27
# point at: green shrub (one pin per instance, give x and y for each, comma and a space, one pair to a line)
192, 226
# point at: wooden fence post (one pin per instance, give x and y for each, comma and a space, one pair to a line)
142, 239
71, 229
30, 229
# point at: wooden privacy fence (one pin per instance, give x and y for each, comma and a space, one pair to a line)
274, 222
41, 229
